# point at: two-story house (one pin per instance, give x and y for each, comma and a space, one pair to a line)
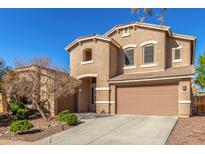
135, 68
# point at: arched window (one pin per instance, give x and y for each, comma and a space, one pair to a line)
87, 55
148, 51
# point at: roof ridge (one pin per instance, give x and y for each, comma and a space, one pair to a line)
41, 67
91, 35
138, 23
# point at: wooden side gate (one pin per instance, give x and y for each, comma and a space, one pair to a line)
200, 105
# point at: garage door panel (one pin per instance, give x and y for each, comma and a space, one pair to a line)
148, 100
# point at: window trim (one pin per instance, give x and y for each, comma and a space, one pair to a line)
177, 60
129, 67
148, 42
129, 46
149, 65
87, 75
173, 53
87, 62
143, 57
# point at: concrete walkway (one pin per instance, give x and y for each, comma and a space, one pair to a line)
119, 129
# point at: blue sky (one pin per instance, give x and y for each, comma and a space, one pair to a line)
27, 33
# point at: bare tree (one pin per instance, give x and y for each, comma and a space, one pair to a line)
145, 13
19, 63
3, 70
41, 61
39, 85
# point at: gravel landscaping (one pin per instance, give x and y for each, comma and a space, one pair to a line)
41, 130
188, 131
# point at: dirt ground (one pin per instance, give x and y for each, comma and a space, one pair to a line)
188, 131
41, 130
10, 142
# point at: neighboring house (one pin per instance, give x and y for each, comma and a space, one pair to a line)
3, 104
136, 68
54, 104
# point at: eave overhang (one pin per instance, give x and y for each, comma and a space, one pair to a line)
93, 37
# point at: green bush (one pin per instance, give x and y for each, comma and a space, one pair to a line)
22, 114
14, 107
68, 118
21, 105
20, 125
62, 115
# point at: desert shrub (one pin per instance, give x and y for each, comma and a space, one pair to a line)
20, 125
62, 115
68, 118
14, 107
22, 114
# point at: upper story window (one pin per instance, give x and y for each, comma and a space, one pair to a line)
126, 32
148, 54
177, 54
129, 57
87, 55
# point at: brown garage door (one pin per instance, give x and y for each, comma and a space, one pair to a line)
148, 100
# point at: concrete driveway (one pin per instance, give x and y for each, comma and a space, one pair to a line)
119, 129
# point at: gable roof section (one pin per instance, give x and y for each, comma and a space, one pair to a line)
90, 37
140, 24
106, 37
151, 26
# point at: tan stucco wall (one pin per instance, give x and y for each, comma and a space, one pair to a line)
185, 94
184, 110
113, 61
105, 108
100, 65
102, 95
185, 52
185, 98
105, 62
105, 54
108, 61
65, 103
84, 95
137, 37
113, 96
110, 96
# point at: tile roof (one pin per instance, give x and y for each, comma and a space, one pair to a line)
170, 72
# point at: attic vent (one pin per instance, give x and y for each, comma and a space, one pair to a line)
126, 32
